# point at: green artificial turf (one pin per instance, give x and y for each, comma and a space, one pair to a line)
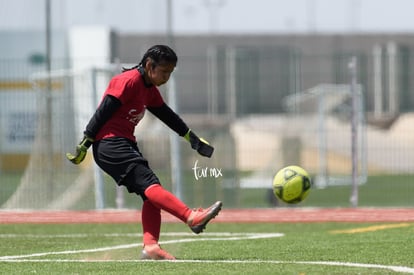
303, 248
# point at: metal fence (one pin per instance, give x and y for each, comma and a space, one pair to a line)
236, 99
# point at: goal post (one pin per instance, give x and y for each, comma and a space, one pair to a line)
64, 107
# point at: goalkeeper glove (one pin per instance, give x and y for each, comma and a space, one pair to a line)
199, 144
81, 150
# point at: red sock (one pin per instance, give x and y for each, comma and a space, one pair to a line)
151, 223
165, 200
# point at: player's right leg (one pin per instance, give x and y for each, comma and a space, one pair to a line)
196, 219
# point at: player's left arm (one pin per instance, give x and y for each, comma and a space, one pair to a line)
173, 120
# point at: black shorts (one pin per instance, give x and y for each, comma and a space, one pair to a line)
122, 160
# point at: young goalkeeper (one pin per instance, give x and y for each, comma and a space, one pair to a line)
111, 132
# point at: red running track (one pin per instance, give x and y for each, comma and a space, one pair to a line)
274, 215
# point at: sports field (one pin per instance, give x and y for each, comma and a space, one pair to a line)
259, 241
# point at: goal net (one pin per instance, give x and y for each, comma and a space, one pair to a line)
328, 112
65, 102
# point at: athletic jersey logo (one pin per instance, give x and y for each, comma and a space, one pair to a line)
134, 117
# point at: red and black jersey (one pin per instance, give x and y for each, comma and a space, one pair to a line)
123, 106
129, 88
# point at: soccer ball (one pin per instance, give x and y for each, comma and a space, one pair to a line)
291, 184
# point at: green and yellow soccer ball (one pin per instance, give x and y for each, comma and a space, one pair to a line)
292, 184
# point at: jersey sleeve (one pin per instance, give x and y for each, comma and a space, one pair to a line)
170, 118
102, 114
121, 89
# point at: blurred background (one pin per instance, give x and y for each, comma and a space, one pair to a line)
326, 85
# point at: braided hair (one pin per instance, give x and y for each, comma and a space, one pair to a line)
159, 54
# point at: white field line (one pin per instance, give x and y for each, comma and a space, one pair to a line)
117, 235
230, 236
